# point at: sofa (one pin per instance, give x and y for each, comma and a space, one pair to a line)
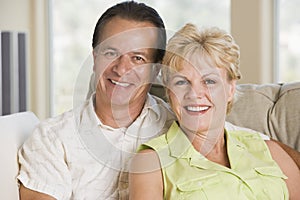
15, 128
272, 109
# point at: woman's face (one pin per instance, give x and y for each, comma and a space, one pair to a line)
199, 94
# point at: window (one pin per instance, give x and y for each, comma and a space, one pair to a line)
289, 40
73, 25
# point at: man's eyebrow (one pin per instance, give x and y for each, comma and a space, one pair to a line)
107, 47
141, 52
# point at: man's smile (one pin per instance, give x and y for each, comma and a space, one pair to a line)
121, 84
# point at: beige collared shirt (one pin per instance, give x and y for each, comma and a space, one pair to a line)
75, 156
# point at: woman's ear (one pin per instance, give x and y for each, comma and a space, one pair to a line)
232, 85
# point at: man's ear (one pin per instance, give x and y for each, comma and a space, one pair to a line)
94, 58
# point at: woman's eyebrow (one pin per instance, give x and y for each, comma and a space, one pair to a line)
210, 74
178, 76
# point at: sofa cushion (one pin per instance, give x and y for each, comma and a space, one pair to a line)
285, 115
272, 109
252, 106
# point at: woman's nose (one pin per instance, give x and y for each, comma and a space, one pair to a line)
197, 90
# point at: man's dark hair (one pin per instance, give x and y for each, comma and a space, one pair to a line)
138, 12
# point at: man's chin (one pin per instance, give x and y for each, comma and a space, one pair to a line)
120, 100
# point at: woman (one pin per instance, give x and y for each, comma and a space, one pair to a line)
197, 158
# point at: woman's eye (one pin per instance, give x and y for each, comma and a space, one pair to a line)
209, 82
181, 82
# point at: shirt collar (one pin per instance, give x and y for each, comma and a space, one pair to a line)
150, 106
148, 125
85, 116
150, 122
179, 145
151, 111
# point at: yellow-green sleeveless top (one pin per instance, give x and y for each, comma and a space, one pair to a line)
253, 174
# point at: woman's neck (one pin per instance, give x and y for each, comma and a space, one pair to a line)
212, 145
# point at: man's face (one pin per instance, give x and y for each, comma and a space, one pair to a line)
123, 61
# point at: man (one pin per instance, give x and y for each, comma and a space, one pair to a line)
81, 154
84, 153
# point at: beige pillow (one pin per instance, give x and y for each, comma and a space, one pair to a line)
252, 106
285, 115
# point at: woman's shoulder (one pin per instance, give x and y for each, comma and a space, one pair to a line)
154, 144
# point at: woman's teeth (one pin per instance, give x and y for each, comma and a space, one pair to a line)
196, 108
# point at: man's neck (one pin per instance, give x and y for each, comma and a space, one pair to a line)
117, 116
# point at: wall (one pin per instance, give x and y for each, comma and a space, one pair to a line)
31, 16
252, 27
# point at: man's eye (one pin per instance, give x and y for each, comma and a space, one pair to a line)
110, 54
139, 59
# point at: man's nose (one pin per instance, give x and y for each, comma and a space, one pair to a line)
122, 65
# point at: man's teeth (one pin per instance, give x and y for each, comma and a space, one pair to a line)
120, 84
196, 108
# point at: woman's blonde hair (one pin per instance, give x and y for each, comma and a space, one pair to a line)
212, 43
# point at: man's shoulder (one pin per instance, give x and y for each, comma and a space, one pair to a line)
158, 99
164, 110
66, 119
160, 103
58, 120
57, 124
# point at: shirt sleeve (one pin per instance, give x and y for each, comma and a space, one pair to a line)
43, 167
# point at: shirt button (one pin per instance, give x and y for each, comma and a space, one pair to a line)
124, 186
